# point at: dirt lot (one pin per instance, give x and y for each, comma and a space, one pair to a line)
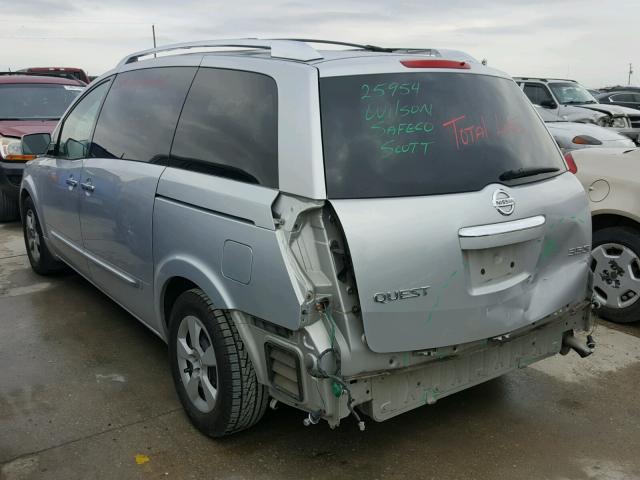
85, 392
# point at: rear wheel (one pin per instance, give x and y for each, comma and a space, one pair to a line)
41, 259
212, 372
616, 268
8, 208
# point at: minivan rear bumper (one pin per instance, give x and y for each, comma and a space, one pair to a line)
412, 379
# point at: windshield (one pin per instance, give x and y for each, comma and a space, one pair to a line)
409, 134
35, 101
571, 93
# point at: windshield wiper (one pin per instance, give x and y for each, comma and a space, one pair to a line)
526, 172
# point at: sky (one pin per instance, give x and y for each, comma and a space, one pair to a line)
586, 40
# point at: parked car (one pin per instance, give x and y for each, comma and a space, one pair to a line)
612, 179
28, 104
620, 97
64, 72
574, 135
625, 88
571, 101
431, 218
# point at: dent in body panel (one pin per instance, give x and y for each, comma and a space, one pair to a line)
449, 315
196, 254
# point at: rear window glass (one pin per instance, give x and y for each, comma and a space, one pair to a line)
414, 134
36, 101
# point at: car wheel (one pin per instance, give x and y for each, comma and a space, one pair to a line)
616, 268
41, 259
8, 208
212, 372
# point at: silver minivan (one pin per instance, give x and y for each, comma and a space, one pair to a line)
350, 232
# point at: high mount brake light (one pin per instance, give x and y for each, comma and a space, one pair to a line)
571, 164
454, 64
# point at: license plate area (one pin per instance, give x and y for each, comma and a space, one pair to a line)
498, 268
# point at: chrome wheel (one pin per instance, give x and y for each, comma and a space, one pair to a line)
616, 275
33, 239
197, 363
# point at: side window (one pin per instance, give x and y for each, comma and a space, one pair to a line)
229, 127
75, 136
622, 97
538, 94
139, 116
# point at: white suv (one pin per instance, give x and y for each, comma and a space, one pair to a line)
570, 101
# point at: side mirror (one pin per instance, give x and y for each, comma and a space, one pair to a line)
548, 104
35, 143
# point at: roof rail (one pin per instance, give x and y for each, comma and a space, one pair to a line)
279, 48
372, 48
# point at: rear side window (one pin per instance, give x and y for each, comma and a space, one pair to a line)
538, 94
76, 130
623, 97
140, 113
411, 134
229, 127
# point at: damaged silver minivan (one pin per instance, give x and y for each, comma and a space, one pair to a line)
349, 232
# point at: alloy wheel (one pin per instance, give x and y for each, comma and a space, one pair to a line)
197, 363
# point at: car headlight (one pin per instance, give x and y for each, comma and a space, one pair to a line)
11, 150
620, 122
604, 121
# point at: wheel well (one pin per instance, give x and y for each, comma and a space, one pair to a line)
23, 196
610, 220
175, 287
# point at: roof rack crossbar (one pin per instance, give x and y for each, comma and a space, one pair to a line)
279, 48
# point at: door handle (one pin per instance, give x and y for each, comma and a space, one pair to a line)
71, 182
87, 186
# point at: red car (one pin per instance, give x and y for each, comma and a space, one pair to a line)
28, 104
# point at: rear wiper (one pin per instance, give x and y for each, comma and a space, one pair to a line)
526, 172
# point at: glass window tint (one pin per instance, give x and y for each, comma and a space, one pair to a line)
407, 134
76, 132
537, 93
229, 127
622, 97
139, 116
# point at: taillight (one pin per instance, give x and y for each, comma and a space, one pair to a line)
571, 163
424, 63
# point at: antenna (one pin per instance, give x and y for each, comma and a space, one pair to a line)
630, 73
153, 32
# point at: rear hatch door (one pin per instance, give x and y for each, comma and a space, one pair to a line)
461, 220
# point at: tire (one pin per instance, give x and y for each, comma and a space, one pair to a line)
616, 267
40, 257
215, 379
8, 208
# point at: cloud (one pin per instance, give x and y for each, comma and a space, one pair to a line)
542, 37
